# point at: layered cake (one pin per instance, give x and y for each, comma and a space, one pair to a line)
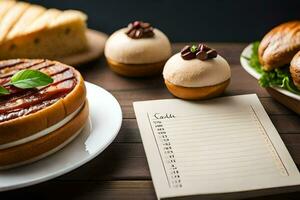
32, 31
36, 122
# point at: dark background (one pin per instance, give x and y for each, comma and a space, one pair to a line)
188, 20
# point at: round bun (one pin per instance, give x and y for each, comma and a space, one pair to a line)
27, 125
295, 70
279, 45
46, 145
196, 79
123, 49
146, 56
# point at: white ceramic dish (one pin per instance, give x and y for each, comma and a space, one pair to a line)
105, 123
244, 62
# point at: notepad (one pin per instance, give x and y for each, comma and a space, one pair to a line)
225, 147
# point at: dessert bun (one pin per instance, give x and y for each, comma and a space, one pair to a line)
197, 72
138, 50
295, 70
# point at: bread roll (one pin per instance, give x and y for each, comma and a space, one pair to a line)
280, 45
295, 70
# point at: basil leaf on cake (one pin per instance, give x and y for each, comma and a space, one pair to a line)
25, 79
3, 90
29, 78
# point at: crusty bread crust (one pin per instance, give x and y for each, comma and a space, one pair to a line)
295, 70
197, 93
279, 46
28, 17
12, 16
5, 6
46, 143
27, 125
136, 70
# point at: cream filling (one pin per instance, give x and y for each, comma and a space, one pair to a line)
43, 132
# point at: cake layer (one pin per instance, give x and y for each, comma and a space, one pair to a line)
59, 147
43, 145
43, 132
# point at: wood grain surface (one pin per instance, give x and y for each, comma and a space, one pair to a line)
121, 171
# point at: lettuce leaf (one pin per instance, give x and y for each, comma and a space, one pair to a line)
279, 77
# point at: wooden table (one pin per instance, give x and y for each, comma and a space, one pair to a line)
121, 171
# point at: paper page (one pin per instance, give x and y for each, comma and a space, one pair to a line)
228, 142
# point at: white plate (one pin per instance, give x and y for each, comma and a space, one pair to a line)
106, 120
244, 62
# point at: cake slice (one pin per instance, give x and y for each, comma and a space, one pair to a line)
31, 31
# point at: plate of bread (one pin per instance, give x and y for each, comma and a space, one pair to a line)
51, 121
275, 62
32, 31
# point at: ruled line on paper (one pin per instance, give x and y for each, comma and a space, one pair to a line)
205, 114
232, 142
211, 134
212, 171
207, 137
230, 176
220, 150
221, 162
203, 118
213, 126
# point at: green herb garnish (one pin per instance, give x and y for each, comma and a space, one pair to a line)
27, 78
193, 48
3, 90
279, 77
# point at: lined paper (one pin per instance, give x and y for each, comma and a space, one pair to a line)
229, 139
214, 146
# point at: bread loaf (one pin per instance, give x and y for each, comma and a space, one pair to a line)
31, 31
